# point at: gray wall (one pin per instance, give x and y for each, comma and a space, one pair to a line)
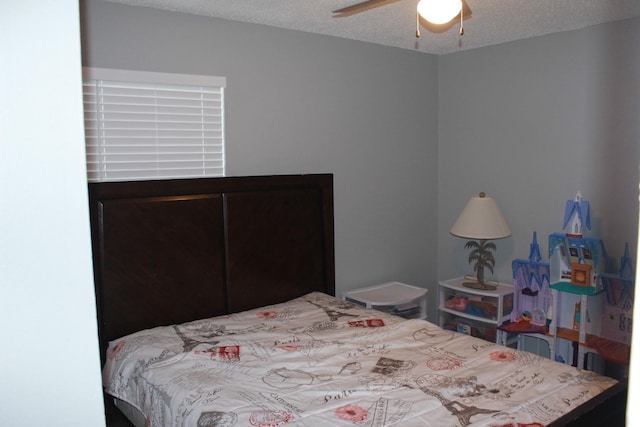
410, 137
302, 103
531, 123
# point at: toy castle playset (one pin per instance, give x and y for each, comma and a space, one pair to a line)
575, 275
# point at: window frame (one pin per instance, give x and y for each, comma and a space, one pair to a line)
142, 125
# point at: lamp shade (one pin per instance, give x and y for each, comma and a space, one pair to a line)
481, 219
439, 11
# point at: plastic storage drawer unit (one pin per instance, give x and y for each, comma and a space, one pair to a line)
396, 298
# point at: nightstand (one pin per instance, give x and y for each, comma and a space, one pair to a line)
396, 298
475, 312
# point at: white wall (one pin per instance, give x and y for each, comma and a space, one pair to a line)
633, 412
49, 362
303, 103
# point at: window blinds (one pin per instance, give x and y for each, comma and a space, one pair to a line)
141, 125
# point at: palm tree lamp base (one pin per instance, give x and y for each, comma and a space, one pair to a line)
480, 286
481, 256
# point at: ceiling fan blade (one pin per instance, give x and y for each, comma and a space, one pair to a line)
361, 7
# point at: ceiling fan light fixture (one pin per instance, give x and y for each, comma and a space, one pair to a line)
439, 11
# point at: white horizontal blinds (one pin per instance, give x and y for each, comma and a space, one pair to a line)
137, 127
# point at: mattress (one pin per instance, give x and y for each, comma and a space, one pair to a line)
131, 413
320, 361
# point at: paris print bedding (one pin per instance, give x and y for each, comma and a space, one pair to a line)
320, 361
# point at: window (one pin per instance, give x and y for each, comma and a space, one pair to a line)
141, 125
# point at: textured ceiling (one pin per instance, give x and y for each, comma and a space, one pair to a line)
394, 24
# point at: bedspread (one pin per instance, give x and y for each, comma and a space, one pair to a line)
321, 361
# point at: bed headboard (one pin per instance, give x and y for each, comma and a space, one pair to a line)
172, 251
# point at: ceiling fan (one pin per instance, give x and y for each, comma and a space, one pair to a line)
435, 12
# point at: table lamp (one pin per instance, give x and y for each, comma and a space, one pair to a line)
481, 220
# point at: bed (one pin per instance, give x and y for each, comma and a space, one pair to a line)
216, 307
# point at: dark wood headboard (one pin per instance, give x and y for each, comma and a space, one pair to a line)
172, 251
